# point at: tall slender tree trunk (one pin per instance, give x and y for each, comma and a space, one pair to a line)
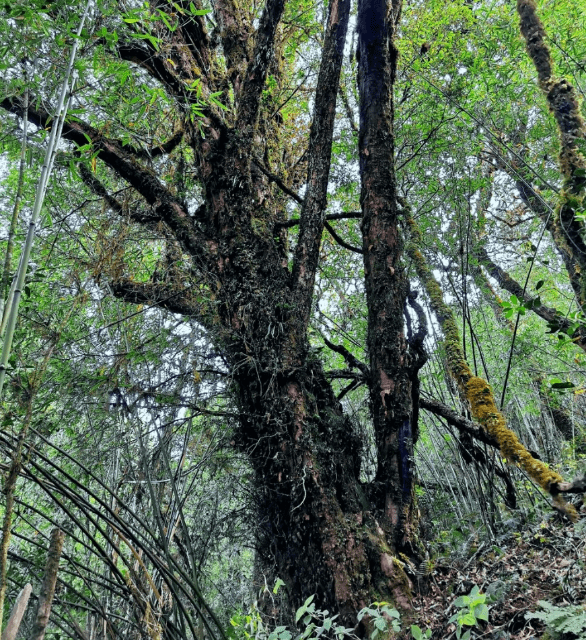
392, 365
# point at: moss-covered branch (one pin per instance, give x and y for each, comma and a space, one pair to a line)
565, 107
476, 390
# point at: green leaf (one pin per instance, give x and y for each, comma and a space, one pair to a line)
197, 12
380, 623
278, 584
467, 620
416, 632
462, 601
481, 612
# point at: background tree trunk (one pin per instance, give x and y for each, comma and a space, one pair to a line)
48, 587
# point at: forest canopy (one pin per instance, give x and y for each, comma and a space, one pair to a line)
293, 301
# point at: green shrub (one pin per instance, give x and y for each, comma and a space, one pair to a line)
317, 623
472, 608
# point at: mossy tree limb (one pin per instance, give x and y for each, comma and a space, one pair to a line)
506, 282
517, 167
475, 389
563, 102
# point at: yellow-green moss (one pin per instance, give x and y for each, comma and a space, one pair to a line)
476, 390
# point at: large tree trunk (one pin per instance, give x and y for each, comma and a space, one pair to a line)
317, 529
320, 528
393, 366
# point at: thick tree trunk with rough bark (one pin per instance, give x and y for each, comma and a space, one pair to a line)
392, 365
321, 528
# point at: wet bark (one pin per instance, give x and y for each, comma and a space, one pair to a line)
385, 279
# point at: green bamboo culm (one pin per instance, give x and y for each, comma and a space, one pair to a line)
15, 211
11, 309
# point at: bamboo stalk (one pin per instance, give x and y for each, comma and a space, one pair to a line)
16, 463
11, 310
15, 210
17, 613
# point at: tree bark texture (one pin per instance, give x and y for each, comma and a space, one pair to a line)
385, 279
321, 528
48, 587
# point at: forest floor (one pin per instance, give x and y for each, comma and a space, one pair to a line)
545, 561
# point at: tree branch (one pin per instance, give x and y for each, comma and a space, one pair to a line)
284, 188
256, 73
177, 75
173, 299
351, 359
476, 390
319, 162
195, 34
519, 171
550, 315
564, 104
165, 206
158, 68
340, 240
172, 143
454, 419
351, 215
235, 32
